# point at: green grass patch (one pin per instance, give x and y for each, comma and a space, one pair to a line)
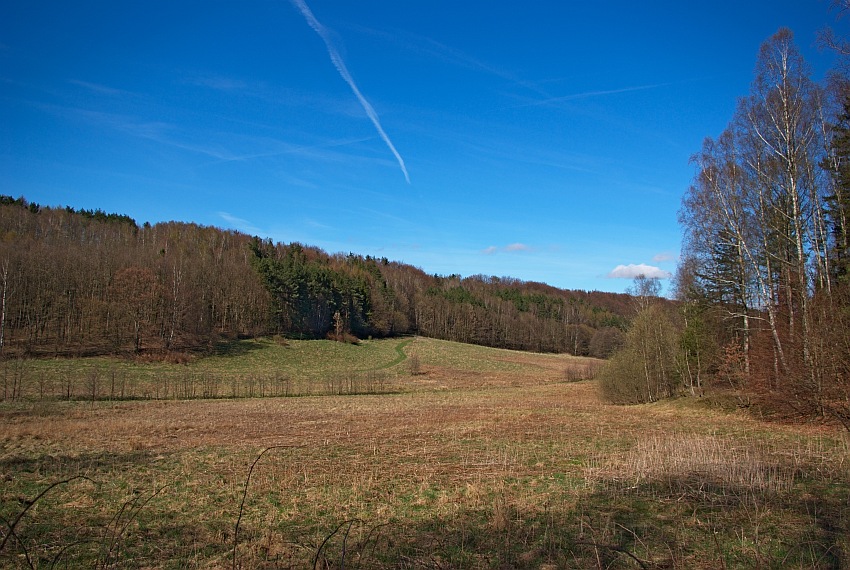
245, 368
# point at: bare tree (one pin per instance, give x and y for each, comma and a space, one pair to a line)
4, 277
645, 291
760, 233
827, 37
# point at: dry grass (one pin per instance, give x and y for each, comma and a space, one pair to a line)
486, 459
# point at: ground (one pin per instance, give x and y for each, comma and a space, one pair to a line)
483, 459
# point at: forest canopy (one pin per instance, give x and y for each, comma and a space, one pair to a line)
80, 282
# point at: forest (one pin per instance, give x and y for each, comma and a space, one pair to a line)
82, 282
763, 285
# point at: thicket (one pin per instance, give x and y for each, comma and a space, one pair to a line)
83, 282
648, 367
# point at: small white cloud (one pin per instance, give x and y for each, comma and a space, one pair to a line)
517, 247
664, 256
634, 270
490, 250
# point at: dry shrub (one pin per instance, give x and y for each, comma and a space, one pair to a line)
699, 463
344, 337
814, 380
731, 372
176, 357
620, 379
414, 365
578, 371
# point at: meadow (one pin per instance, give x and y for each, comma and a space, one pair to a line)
399, 453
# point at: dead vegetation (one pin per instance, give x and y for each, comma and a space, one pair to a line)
488, 460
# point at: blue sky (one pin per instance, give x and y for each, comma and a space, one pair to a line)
543, 140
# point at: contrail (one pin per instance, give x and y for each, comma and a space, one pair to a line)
336, 59
588, 94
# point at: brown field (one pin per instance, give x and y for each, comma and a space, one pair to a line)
485, 459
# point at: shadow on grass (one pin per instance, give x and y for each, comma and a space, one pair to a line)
235, 348
643, 527
47, 466
690, 522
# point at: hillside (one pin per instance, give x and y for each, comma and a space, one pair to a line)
82, 282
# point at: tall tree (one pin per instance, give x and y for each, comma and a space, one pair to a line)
765, 227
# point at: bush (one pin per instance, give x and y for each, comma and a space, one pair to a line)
414, 365
646, 368
578, 371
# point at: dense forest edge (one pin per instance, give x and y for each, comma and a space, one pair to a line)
763, 283
83, 283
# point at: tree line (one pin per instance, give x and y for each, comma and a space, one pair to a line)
83, 282
764, 280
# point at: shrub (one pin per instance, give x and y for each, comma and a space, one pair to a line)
646, 368
414, 365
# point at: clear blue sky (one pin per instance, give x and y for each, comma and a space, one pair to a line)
543, 140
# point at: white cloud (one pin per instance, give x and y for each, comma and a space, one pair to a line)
517, 247
490, 250
664, 256
634, 270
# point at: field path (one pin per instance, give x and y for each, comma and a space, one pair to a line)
400, 356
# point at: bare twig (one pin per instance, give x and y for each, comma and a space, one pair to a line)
65, 549
133, 511
615, 548
20, 542
245, 495
330, 536
29, 505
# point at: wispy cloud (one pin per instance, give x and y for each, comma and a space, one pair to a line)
637, 269
312, 223
98, 88
219, 83
338, 62
219, 146
664, 256
277, 95
510, 248
275, 148
240, 224
432, 48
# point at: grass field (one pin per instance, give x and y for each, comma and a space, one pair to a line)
482, 459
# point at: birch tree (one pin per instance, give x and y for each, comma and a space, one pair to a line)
756, 218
